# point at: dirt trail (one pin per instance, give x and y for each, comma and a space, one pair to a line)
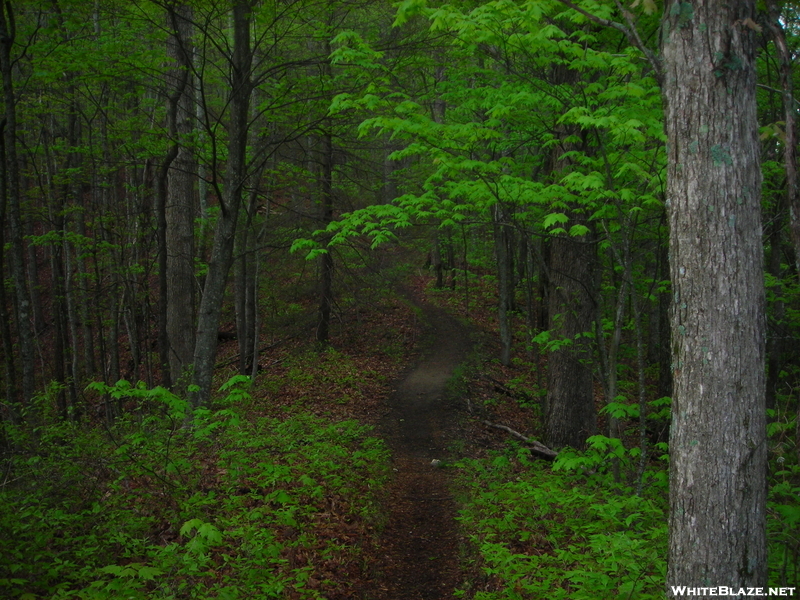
418, 554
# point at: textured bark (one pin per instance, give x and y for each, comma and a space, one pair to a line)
180, 205
170, 190
224, 236
570, 415
718, 438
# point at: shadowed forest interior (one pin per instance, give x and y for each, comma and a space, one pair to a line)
327, 299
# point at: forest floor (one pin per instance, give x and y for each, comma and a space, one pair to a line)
417, 556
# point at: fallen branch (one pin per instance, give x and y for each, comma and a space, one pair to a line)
500, 387
537, 448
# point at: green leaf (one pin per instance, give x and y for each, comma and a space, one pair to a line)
554, 218
578, 230
210, 533
407, 10
189, 526
149, 573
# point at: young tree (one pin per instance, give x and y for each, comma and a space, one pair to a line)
236, 173
179, 210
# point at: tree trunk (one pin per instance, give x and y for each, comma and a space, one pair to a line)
791, 200
246, 285
718, 435
789, 113
10, 379
436, 259
34, 284
180, 206
326, 260
163, 280
225, 233
503, 257
23, 301
570, 415
241, 289
84, 300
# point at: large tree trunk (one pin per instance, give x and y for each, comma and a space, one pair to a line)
718, 438
570, 415
225, 233
180, 206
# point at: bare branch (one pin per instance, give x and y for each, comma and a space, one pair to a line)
537, 448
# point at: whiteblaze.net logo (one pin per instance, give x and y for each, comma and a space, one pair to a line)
722, 590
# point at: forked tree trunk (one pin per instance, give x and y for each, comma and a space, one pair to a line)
225, 233
718, 435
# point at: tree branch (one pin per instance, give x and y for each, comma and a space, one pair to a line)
537, 448
630, 32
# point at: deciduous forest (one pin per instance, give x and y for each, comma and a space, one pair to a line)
334, 299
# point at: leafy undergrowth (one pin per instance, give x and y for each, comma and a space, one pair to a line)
541, 532
577, 529
272, 493
568, 530
230, 508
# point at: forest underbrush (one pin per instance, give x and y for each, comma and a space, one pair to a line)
592, 524
270, 493
278, 489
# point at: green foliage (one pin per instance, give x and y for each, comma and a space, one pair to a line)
555, 534
783, 501
156, 508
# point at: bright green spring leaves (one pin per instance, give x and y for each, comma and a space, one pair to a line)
545, 534
533, 109
226, 509
571, 531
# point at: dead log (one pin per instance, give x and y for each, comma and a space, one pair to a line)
536, 447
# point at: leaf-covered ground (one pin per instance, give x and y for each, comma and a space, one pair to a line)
362, 471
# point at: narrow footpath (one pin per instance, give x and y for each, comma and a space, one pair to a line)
418, 553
